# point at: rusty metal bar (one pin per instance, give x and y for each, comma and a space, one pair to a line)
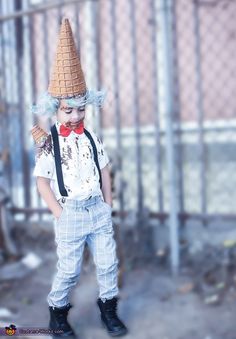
6, 241
60, 12
19, 38
33, 73
156, 107
205, 129
136, 108
167, 21
45, 45
200, 109
195, 216
208, 217
4, 30
28, 210
97, 34
77, 25
4, 150
195, 129
39, 9
162, 216
95, 53
177, 109
114, 50
32, 60
210, 3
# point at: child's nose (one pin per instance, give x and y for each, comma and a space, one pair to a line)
74, 115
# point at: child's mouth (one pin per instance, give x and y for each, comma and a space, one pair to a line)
73, 124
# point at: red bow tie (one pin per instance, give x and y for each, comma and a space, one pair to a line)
65, 131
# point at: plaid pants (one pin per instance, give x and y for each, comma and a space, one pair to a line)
84, 221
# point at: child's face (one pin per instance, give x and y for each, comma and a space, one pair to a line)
69, 116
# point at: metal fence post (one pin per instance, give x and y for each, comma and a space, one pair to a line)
167, 44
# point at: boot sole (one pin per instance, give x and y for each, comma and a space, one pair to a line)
60, 336
116, 334
70, 336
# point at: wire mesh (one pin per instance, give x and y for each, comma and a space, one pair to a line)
121, 47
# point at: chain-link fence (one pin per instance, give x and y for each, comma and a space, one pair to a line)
168, 122
205, 82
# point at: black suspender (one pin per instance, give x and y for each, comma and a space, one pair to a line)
58, 159
95, 155
57, 155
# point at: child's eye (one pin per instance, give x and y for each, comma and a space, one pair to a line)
67, 110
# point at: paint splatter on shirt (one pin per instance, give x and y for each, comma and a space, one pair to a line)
46, 149
80, 173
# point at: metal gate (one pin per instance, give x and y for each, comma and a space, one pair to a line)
169, 119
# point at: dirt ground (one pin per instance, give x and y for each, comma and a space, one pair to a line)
150, 304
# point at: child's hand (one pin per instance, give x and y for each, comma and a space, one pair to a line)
58, 212
48, 196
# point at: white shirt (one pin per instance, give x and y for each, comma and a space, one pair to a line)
80, 174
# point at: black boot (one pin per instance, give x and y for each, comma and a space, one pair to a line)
113, 324
58, 322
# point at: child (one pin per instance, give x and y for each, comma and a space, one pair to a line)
73, 179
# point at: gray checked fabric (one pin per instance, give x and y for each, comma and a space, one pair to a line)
84, 221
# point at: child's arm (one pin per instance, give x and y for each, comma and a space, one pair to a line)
48, 196
106, 185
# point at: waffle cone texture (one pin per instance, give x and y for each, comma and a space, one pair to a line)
39, 135
67, 78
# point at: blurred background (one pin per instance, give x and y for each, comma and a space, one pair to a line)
169, 127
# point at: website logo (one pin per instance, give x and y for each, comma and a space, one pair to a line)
10, 330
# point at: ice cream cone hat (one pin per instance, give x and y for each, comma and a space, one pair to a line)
67, 78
